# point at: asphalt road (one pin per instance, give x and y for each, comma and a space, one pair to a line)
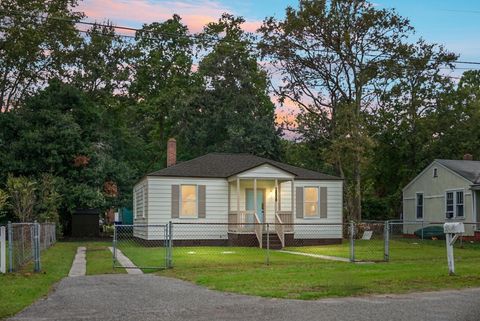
149, 297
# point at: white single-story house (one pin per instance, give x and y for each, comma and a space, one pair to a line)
447, 190
224, 188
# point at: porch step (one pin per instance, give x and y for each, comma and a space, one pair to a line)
274, 241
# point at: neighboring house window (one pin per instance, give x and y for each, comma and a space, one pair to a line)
419, 206
311, 201
188, 201
435, 172
459, 204
454, 204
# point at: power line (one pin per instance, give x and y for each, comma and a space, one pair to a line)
192, 36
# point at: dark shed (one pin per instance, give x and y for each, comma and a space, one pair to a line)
85, 223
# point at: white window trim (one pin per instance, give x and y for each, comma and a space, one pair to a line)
318, 203
454, 191
181, 202
435, 172
423, 206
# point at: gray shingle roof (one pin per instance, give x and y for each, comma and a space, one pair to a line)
222, 165
465, 168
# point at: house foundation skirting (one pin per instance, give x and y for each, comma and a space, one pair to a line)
291, 241
243, 240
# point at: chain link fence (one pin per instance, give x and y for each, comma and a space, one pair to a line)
196, 245
24, 243
423, 240
141, 246
225, 244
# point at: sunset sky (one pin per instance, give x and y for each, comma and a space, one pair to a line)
451, 23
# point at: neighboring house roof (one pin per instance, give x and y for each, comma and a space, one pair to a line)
222, 165
466, 168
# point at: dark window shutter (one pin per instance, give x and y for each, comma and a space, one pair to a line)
202, 213
323, 202
175, 201
299, 202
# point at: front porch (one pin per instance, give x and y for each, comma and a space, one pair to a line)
255, 202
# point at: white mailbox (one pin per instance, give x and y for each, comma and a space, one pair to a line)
453, 228
452, 231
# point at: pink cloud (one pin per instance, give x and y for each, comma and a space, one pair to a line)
195, 14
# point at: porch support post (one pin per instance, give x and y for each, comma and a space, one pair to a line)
277, 194
238, 199
255, 196
291, 203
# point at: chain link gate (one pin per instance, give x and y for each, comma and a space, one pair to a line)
135, 245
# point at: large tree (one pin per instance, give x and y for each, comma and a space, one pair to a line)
332, 56
404, 124
37, 38
232, 111
162, 83
59, 132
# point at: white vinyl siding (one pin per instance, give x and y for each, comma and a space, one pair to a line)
159, 201
266, 171
334, 212
216, 199
285, 196
139, 201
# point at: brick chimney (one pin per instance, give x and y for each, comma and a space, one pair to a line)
171, 152
468, 157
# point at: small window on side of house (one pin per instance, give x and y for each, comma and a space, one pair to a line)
435, 172
449, 205
419, 206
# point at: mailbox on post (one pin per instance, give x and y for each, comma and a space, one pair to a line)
452, 231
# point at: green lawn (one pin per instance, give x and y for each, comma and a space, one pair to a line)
18, 290
414, 266
99, 259
153, 257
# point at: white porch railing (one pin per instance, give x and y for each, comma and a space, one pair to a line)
280, 229
241, 222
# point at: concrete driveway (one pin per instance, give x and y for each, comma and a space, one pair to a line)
149, 297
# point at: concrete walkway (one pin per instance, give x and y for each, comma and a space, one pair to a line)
148, 297
318, 256
124, 261
79, 265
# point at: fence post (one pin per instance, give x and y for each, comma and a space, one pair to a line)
3, 256
36, 246
268, 244
10, 247
170, 244
386, 236
114, 245
352, 241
